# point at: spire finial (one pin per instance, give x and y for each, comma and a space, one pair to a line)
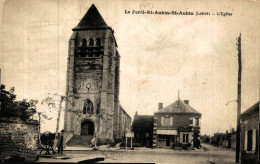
178, 94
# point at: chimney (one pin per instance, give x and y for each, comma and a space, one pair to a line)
160, 106
186, 102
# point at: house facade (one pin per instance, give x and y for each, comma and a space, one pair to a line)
249, 134
143, 130
92, 89
177, 123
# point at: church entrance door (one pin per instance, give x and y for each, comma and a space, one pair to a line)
87, 128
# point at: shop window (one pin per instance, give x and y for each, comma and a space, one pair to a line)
185, 138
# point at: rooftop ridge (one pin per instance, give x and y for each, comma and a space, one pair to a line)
181, 108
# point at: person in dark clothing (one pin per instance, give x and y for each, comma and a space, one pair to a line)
60, 142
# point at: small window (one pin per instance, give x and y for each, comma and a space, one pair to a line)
91, 42
197, 122
98, 42
83, 42
191, 121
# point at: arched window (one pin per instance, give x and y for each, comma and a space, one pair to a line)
88, 107
91, 42
83, 42
98, 42
84, 110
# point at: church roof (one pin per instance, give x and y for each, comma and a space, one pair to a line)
178, 106
92, 20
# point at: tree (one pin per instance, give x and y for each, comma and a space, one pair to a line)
51, 102
20, 109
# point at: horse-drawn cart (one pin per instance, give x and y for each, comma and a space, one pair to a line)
47, 142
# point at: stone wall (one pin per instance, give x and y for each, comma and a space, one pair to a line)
18, 138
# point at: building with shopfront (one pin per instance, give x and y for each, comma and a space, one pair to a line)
176, 124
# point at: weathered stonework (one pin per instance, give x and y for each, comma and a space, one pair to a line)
18, 138
93, 80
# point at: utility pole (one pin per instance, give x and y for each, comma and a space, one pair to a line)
238, 98
259, 135
0, 90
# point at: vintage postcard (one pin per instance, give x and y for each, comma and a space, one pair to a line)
134, 81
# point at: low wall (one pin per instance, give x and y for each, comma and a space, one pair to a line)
18, 138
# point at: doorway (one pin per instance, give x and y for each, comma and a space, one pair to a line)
168, 140
87, 128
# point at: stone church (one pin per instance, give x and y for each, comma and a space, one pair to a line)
93, 73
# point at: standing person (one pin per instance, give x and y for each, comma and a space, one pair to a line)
60, 142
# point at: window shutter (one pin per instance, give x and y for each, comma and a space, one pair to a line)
194, 121
187, 138
190, 137
171, 121
245, 147
167, 121
181, 135
162, 120
254, 140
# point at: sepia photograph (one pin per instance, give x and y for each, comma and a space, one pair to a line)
133, 81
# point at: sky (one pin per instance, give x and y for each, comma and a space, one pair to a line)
160, 54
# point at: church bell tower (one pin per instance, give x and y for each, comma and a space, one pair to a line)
92, 79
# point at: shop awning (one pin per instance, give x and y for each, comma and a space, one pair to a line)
167, 132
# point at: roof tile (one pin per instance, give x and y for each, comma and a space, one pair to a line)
178, 106
92, 20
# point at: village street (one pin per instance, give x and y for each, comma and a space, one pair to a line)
208, 154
